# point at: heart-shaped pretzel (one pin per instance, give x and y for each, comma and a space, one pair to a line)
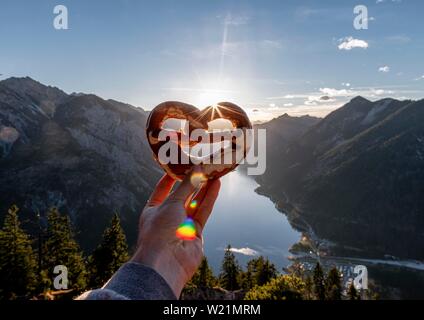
197, 119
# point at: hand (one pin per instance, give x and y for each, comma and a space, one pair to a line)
158, 246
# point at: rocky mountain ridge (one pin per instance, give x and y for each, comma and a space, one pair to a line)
356, 178
83, 154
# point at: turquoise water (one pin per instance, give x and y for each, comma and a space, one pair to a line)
249, 222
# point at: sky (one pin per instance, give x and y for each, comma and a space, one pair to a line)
269, 57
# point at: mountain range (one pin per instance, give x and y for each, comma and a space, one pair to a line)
82, 154
354, 178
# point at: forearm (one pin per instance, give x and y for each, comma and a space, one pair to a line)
133, 281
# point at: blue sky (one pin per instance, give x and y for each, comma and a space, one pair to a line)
270, 57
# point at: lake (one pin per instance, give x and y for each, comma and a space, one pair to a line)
249, 222
252, 225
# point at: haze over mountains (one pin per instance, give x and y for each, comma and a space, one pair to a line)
355, 177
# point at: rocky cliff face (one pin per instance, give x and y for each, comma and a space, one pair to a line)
85, 155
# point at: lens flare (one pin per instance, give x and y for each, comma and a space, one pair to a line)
187, 230
193, 204
197, 178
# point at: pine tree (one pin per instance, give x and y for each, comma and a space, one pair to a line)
109, 255
319, 282
266, 271
18, 264
230, 271
246, 280
60, 248
261, 271
204, 277
333, 285
352, 293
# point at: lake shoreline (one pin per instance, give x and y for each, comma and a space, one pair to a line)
249, 222
390, 279
325, 248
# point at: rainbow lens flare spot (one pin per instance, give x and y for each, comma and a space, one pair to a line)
193, 204
186, 230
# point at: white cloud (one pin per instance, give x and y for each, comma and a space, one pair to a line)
345, 84
245, 251
313, 100
335, 92
289, 97
380, 92
350, 43
343, 93
274, 107
321, 102
384, 69
317, 108
419, 78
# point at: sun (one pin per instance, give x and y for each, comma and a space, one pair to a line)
206, 97
211, 90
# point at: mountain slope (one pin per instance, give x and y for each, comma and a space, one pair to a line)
83, 154
356, 178
285, 129
281, 132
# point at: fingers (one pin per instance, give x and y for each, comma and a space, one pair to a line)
193, 205
162, 190
210, 194
184, 190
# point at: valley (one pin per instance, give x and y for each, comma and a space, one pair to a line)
350, 184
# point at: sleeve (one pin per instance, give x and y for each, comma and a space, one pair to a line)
133, 281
